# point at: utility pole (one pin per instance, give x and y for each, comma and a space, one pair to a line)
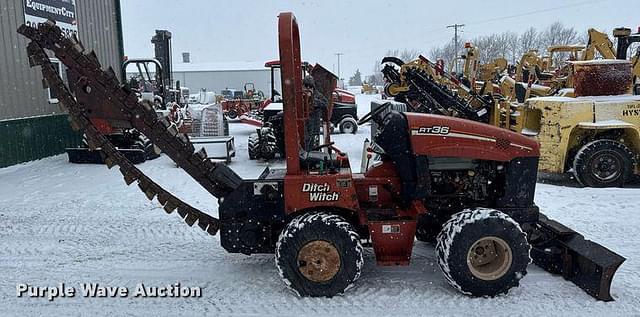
339, 54
455, 37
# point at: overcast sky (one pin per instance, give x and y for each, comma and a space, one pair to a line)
242, 30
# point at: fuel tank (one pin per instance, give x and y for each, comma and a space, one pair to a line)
443, 136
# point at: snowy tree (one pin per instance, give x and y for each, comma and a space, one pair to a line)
490, 47
446, 52
558, 34
356, 79
511, 45
376, 77
529, 40
510, 40
405, 54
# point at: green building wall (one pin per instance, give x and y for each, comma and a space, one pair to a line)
28, 139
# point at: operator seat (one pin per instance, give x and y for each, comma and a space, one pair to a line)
393, 137
313, 160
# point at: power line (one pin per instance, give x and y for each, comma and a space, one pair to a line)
338, 54
578, 4
456, 27
381, 45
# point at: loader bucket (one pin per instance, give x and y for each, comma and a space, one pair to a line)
560, 250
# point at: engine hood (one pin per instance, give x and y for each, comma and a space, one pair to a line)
443, 136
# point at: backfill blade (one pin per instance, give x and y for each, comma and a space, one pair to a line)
560, 250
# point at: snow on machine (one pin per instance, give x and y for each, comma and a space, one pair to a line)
317, 215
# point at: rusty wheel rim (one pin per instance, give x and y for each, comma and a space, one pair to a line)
319, 261
489, 258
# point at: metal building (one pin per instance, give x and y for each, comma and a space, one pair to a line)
218, 76
32, 126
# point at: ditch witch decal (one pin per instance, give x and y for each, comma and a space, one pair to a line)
320, 192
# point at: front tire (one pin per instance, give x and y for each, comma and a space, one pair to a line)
603, 163
482, 252
348, 125
319, 254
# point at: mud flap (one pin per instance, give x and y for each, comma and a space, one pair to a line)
87, 156
560, 250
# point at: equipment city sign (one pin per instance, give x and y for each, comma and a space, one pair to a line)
61, 11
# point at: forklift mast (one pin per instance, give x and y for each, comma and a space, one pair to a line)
162, 47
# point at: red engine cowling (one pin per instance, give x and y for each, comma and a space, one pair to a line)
442, 136
343, 96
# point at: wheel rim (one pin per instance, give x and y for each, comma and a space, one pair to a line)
347, 127
319, 261
606, 167
489, 258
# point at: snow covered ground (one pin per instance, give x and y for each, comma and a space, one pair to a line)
73, 224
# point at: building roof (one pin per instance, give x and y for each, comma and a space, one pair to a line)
218, 66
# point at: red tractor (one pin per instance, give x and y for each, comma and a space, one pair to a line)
236, 103
268, 140
317, 215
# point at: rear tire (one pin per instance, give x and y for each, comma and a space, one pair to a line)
603, 163
482, 252
253, 146
319, 254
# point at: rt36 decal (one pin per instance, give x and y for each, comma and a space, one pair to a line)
320, 192
436, 129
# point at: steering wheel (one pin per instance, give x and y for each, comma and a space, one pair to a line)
323, 146
367, 117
